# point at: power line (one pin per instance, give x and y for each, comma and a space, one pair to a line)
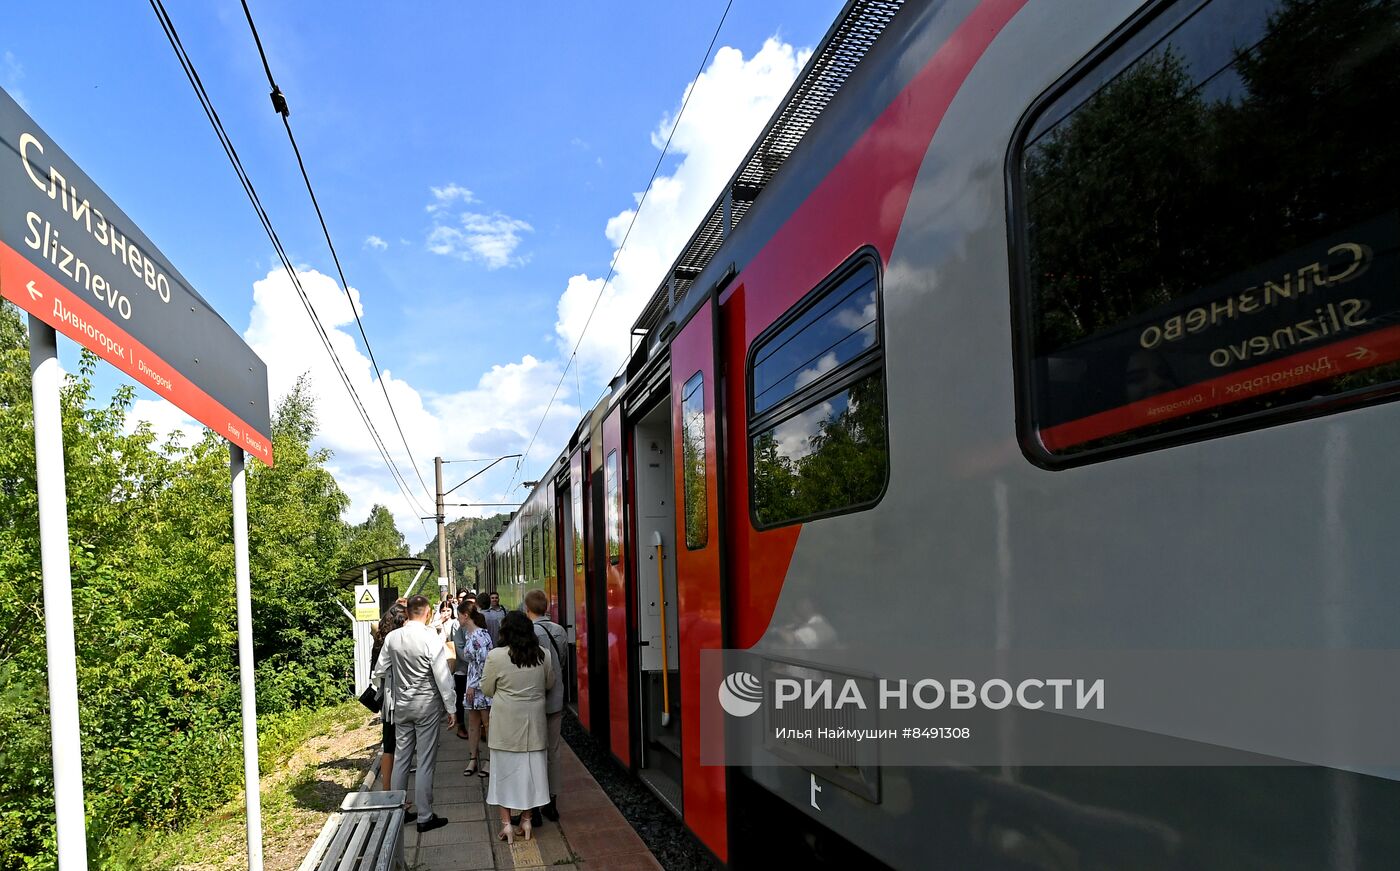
279, 104
187, 65
612, 267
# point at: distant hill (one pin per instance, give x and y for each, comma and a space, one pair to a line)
468, 539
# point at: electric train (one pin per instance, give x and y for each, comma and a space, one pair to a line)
1023, 324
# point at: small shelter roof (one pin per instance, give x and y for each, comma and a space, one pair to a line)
377, 571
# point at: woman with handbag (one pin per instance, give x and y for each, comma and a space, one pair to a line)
391, 621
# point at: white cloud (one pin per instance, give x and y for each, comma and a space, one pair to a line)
166, 420
733, 98
794, 434
490, 239
376, 243
448, 194
496, 416
499, 414
824, 365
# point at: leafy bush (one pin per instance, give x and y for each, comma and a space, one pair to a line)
153, 610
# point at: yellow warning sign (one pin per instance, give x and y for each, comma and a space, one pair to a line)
367, 602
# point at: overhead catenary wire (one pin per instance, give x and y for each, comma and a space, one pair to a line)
187, 65
612, 267
279, 104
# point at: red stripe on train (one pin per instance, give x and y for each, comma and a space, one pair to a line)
861, 202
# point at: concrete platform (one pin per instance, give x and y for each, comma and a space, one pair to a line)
591, 834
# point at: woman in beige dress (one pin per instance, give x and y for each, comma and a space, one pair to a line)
516, 676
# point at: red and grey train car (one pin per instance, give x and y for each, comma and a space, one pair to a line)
1024, 324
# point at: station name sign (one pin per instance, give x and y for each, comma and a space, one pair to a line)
72, 258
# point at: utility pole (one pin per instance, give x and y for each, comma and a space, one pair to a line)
441, 521
445, 572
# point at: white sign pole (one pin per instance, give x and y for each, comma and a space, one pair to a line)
243, 592
58, 598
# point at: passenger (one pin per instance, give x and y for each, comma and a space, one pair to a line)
391, 621
494, 614
517, 676
461, 629
422, 692
476, 644
551, 637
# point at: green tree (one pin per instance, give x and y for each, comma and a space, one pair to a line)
152, 568
377, 538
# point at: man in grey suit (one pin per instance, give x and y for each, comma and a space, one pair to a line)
422, 693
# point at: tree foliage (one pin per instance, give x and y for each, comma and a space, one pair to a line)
830, 457
468, 541
153, 605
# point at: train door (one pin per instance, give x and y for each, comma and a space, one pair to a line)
590, 600
653, 553
565, 571
595, 712
697, 481
617, 627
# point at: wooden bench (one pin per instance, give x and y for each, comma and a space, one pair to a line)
366, 835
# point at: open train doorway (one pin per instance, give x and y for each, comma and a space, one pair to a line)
659, 697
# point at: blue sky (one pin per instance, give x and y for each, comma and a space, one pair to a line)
477, 164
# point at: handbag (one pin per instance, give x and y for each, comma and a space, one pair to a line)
371, 699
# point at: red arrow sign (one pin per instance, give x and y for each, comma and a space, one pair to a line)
72, 316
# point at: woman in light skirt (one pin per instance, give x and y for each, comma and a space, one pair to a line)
517, 674
476, 705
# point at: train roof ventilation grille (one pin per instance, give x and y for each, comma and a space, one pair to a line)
838, 56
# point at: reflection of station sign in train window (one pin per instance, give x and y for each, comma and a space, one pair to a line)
72, 258
1317, 313
1179, 270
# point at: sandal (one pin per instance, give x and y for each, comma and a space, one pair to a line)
485, 769
471, 767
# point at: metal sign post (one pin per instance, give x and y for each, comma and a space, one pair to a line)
72, 259
243, 593
58, 595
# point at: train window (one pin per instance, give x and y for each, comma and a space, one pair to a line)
1188, 270
818, 443
576, 496
544, 551
613, 492
547, 530
695, 484
832, 330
